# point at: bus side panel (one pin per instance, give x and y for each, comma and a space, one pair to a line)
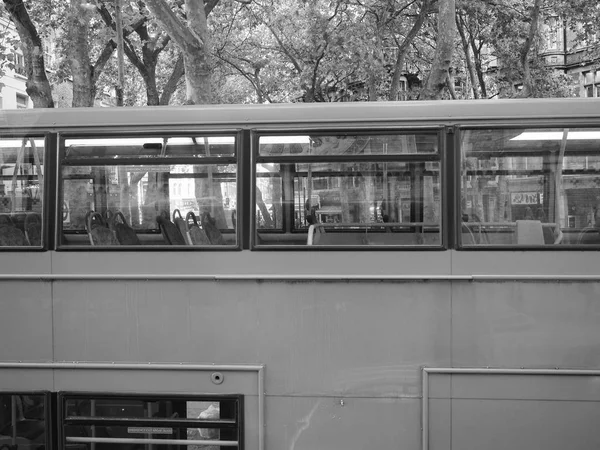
512, 325
514, 410
19, 263
342, 338
26, 321
526, 324
525, 424
342, 359
336, 423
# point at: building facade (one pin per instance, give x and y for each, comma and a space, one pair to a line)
566, 51
13, 94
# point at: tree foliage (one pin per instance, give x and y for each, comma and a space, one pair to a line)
269, 51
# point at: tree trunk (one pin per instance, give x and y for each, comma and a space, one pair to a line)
533, 29
79, 54
403, 49
450, 84
193, 40
197, 77
171, 85
37, 85
443, 51
476, 47
465, 45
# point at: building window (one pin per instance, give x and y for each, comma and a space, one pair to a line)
19, 64
22, 101
554, 33
588, 84
48, 56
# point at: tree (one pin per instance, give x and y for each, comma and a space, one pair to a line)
317, 48
89, 50
143, 46
248, 56
37, 85
443, 52
190, 32
404, 45
474, 21
528, 82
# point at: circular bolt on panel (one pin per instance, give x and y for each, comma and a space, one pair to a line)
217, 377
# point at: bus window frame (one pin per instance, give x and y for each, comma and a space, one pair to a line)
47, 197
439, 156
230, 399
170, 132
497, 125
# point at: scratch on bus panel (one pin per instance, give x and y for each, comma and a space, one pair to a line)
304, 424
392, 381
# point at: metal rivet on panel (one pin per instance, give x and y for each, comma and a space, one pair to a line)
217, 377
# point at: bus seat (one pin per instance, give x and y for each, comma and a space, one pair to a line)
11, 236
123, 232
468, 238
320, 235
313, 236
589, 235
170, 232
195, 235
529, 232
33, 229
552, 233
181, 224
212, 231
98, 231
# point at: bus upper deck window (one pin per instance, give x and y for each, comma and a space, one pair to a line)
21, 192
363, 190
530, 187
127, 191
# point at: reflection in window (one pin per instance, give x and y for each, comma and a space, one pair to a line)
382, 198
149, 191
530, 187
21, 191
22, 421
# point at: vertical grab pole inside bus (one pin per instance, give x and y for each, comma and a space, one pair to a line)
558, 182
93, 427
309, 188
149, 415
13, 419
120, 50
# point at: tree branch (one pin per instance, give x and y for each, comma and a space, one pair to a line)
171, 85
173, 26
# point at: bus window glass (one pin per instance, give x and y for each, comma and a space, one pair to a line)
324, 145
126, 198
21, 191
128, 421
151, 147
329, 199
23, 421
530, 187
